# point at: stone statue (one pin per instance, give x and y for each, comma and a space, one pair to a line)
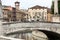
55, 7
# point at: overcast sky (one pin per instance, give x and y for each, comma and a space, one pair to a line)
25, 4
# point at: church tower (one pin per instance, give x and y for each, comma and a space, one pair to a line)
17, 4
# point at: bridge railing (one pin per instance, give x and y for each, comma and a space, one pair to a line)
6, 23
18, 26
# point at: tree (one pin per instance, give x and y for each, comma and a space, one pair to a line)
52, 8
59, 7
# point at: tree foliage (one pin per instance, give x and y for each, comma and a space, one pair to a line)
52, 8
59, 7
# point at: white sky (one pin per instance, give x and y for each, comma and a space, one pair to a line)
25, 4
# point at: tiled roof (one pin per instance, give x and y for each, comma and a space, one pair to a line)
36, 7
40, 7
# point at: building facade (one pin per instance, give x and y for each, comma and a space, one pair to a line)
20, 15
49, 17
37, 13
6, 15
13, 13
7, 11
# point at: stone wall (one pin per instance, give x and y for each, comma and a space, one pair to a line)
31, 26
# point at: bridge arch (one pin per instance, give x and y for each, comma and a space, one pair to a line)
48, 34
51, 35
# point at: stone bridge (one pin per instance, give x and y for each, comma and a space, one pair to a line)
23, 26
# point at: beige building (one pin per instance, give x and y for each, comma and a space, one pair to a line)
7, 13
49, 17
37, 13
13, 13
20, 15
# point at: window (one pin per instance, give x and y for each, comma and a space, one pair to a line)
38, 13
37, 16
33, 16
37, 19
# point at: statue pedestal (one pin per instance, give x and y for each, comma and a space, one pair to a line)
56, 18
